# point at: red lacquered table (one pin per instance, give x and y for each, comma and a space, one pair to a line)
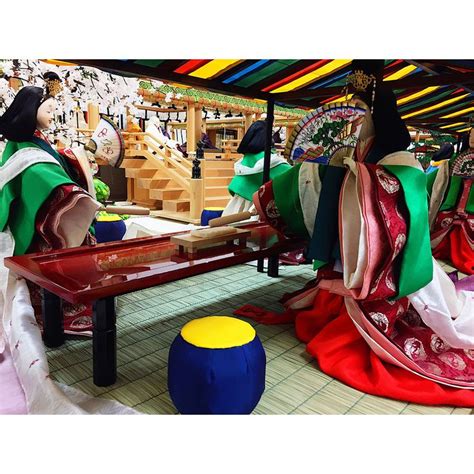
99, 273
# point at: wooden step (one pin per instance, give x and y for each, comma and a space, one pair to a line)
141, 197
176, 205
156, 183
216, 172
217, 201
217, 181
213, 191
169, 194
152, 205
139, 173
133, 163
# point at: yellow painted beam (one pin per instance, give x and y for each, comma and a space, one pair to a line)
452, 125
312, 76
434, 107
417, 95
404, 71
459, 112
214, 67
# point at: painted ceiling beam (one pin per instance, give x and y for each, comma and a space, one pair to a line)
406, 83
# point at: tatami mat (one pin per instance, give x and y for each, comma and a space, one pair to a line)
149, 320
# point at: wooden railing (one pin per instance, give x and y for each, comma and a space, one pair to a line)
171, 163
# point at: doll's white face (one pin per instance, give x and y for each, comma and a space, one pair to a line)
45, 116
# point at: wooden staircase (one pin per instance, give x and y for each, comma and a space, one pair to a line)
159, 177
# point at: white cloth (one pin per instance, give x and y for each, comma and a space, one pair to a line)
448, 312
309, 191
437, 192
242, 170
18, 330
152, 226
403, 158
353, 230
237, 204
7, 246
43, 395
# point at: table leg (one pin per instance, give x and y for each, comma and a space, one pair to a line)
260, 263
53, 330
273, 266
104, 342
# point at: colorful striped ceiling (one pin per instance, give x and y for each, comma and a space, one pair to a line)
310, 82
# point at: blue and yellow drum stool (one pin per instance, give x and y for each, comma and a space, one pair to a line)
216, 365
210, 213
109, 227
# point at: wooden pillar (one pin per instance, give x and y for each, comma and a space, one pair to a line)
130, 193
193, 127
268, 140
248, 121
196, 201
289, 131
197, 185
93, 116
198, 122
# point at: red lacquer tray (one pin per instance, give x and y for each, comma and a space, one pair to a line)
85, 274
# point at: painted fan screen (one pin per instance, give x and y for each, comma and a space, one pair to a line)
107, 142
463, 165
327, 132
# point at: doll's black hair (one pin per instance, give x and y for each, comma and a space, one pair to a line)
254, 139
18, 123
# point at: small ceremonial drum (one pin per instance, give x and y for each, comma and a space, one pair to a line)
210, 213
109, 228
216, 365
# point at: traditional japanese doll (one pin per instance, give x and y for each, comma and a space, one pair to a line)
249, 169
368, 233
156, 129
452, 209
47, 199
444, 153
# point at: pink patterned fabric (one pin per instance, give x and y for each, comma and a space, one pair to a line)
392, 328
388, 196
396, 320
77, 318
447, 220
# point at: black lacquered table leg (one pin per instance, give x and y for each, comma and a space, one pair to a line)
260, 263
53, 330
273, 266
104, 342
